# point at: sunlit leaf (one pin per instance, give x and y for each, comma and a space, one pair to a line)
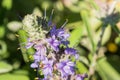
81, 67
7, 4
13, 77
106, 35
5, 67
76, 34
14, 26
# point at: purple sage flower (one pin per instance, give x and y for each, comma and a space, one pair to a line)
54, 43
47, 67
40, 52
53, 31
65, 43
62, 34
52, 53
38, 57
73, 52
41, 48
66, 68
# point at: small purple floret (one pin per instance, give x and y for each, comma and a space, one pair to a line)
47, 67
66, 68
34, 65
70, 51
54, 43
62, 34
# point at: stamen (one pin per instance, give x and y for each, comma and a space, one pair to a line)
51, 13
19, 17
45, 13
50, 20
64, 23
16, 35
18, 48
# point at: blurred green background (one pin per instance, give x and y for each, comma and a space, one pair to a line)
86, 19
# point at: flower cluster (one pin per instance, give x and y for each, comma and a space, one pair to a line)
52, 55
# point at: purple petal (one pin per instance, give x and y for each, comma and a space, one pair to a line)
70, 64
34, 65
40, 49
62, 35
67, 69
29, 45
37, 57
79, 77
77, 56
70, 51
53, 31
54, 43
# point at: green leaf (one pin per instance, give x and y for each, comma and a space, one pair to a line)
81, 67
2, 31
76, 34
106, 70
117, 40
3, 49
7, 4
21, 72
13, 77
106, 35
5, 67
14, 26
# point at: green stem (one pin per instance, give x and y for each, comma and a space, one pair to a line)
85, 19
